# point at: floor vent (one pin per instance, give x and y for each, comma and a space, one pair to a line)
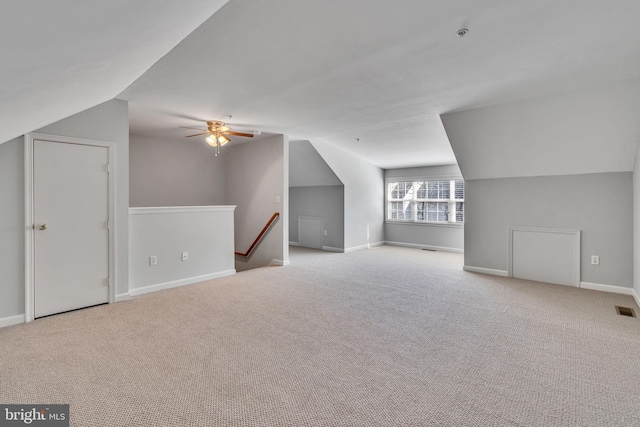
625, 311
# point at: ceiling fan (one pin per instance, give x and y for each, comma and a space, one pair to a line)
217, 133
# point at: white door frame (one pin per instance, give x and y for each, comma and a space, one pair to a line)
29, 235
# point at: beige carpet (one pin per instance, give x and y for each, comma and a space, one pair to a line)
380, 337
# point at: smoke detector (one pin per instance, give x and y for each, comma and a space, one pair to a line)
462, 32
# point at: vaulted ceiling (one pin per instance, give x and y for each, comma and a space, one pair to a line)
370, 76
62, 57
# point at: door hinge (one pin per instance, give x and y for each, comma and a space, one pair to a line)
108, 167
108, 225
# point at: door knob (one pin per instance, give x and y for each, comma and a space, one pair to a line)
43, 226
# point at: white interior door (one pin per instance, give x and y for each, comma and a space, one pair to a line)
310, 231
71, 237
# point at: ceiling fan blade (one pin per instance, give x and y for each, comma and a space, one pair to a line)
197, 134
189, 127
247, 135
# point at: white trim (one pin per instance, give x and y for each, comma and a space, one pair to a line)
424, 223
279, 262
12, 320
29, 256
576, 247
332, 249
367, 246
122, 297
414, 220
182, 282
607, 288
425, 178
355, 248
29, 262
430, 247
635, 296
294, 244
180, 209
491, 271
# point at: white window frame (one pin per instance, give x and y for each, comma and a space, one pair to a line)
414, 201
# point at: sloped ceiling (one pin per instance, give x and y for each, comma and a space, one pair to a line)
587, 131
373, 76
369, 76
62, 57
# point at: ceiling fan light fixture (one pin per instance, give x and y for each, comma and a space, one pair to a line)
211, 140
217, 134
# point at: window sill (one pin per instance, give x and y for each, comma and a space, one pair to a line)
427, 224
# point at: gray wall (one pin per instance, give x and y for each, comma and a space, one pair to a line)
205, 233
12, 228
446, 171
257, 175
598, 204
435, 236
326, 202
182, 172
106, 122
307, 168
363, 195
442, 237
315, 190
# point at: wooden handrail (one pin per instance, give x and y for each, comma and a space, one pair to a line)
262, 233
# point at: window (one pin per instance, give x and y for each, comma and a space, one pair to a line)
439, 201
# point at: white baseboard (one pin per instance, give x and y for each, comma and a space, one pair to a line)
122, 297
607, 288
367, 246
12, 320
493, 272
430, 247
279, 262
294, 244
332, 249
635, 296
181, 282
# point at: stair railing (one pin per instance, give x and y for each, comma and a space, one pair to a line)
266, 228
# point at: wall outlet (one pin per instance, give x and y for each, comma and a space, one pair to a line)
325, 232
153, 260
595, 260
185, 256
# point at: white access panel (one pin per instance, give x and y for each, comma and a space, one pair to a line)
71, 237
545, 255
310, 230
